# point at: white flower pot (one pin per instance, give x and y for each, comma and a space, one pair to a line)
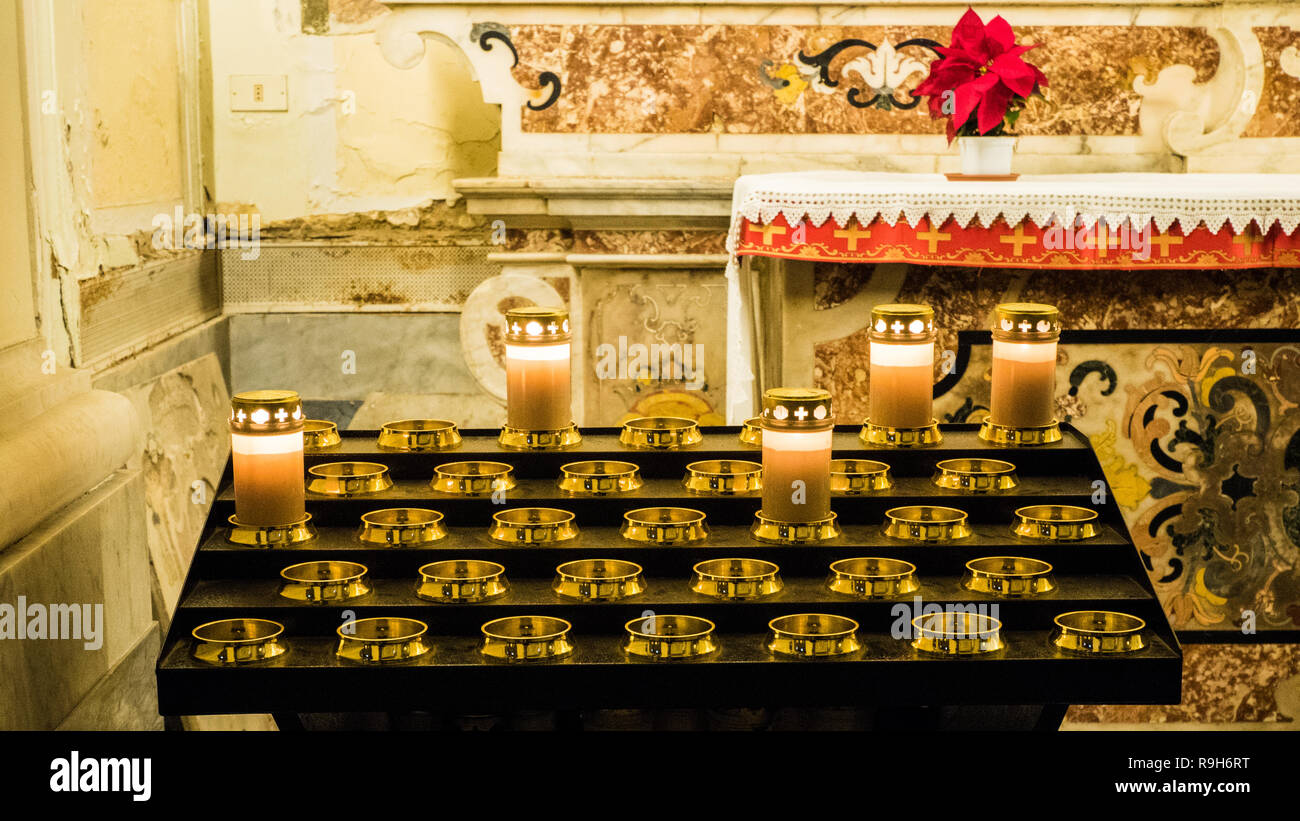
986, 156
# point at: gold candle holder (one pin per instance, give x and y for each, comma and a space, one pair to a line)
664, 525
473, 478
532, 526
872, 578
723, 477
855, 477
401, 526
419, 435
320, 434
736, 578
957, 634
772, 531
670, 638
1012, 437
324, 581
891, 437
1022, 395
813, 635
1098, 631
1056, 523
600, 477
460, 581
751, 432
526, 638
1009, 576
975, 475
238, 641
598, 580
557, 439
382, 640
660, 433
926, 523
285, 535
349, 478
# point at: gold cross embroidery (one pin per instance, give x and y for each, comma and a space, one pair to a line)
1106, 240
1164, 241
852, 235
767, 231
1019, 240
1248, 240
932, 236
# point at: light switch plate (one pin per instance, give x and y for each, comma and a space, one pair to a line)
259, 92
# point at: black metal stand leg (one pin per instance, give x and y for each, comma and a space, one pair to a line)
288, 722
1050, 719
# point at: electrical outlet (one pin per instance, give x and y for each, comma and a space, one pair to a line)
259, 92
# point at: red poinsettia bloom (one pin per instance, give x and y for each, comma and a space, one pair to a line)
984, 71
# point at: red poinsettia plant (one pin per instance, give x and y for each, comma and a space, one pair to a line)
981, 82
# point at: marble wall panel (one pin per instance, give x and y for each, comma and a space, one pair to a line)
747, 79
1276, 114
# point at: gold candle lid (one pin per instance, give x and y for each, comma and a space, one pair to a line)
537, 326
1026, 322
265, 412
902, 322
797, 409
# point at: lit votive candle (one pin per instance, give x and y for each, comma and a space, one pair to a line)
266, 446
1024, 365
538, 392
797, 428
902, 366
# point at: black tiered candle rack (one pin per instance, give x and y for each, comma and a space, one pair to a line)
1101, 573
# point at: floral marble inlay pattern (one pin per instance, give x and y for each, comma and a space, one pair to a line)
667, 79
1278, 105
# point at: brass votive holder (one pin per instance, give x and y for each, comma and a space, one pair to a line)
813, 635
854, 477
320, 434
460, 581
736, 578
664, 525
1008, 576
521, 439
532, 526
238, 641
284, 535
1057, 523
597, 580
473, 478
723, 477
526, 638
348, 478
1098, 631
660, 433
382, 640
600, 477
324, 581
670, 638
892, 437
419, 435
1007, 436
872, 578
926, 523
975, 475
401, 526
775, 531
751, 432
957, 634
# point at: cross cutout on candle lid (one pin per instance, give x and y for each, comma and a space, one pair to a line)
241, 416
801, 414
1026, 325
897, 327
281, 415
552, 327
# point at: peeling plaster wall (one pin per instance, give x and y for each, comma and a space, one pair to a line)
359, 135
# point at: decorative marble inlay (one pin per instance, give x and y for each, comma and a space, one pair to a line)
1278, 114
667, 79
